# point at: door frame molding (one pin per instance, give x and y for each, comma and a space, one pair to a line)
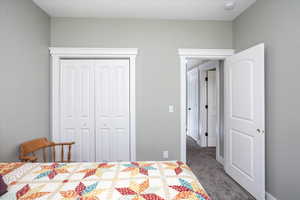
213, 54
58, 53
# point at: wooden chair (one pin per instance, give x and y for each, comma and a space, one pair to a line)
28, 150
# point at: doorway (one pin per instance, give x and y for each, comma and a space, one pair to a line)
204, 105
244, 113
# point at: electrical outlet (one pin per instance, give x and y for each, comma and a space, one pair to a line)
166, 154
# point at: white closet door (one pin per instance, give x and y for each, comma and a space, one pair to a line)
112, 110
77, 110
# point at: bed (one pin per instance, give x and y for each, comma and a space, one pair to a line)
92, 181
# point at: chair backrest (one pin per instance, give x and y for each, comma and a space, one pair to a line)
31, 147
34, 145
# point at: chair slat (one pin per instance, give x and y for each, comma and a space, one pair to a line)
44, 154
53, 154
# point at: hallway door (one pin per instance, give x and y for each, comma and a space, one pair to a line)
193, 103
212, 109
245, 119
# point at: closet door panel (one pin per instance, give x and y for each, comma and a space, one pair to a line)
86, 111
77, 110
112, 110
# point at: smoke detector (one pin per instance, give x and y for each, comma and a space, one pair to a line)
229, 5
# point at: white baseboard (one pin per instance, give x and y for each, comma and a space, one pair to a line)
270, 197
220, 160
199, 143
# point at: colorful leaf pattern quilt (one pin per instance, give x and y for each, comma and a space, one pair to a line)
172, 180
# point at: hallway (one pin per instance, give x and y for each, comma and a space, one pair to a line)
212, 175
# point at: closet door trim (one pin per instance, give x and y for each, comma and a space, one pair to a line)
58, 53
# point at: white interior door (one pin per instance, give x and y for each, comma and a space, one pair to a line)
112, 110
77, 108
245, 119
212, 109
193, 103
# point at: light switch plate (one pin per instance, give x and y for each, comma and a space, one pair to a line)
171, 108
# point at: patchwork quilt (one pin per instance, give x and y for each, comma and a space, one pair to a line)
101, 181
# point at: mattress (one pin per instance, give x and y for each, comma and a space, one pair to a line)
101, 181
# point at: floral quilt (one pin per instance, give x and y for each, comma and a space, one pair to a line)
102, 181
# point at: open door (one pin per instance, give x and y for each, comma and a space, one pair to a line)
245, 119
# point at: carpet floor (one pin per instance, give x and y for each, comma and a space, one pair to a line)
211, 174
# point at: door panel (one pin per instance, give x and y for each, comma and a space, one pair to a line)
244, 119
112, 110
212, 109
193, 103
241, 80
242, 149
77, 108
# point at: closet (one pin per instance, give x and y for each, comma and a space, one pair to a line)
94, 96
93, 102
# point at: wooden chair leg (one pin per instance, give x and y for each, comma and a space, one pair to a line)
69, 153
62, 153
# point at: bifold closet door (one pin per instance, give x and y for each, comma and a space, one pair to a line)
112, 110
77, 108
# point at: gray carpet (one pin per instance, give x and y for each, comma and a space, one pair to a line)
211, 174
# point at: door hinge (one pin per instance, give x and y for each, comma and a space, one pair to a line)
206, 106
206, 134
206, 78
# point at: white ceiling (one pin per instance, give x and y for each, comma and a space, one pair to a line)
146, 9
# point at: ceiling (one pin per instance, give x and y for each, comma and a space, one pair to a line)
145, 9
192, 62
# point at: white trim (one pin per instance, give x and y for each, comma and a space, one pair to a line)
219, 158
206, 53
93, 51
185, 54
270, 197
59, 53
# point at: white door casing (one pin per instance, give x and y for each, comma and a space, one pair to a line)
212, 109
193, 103
57, 57
112, 110
185, 54
245, 119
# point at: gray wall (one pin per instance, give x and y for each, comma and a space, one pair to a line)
276, 23
157, 73
24, 75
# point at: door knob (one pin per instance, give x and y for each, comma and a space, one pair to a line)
190, 109
260, 131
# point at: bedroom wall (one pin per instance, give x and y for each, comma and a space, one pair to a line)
158, 79
276, 23
24, 75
